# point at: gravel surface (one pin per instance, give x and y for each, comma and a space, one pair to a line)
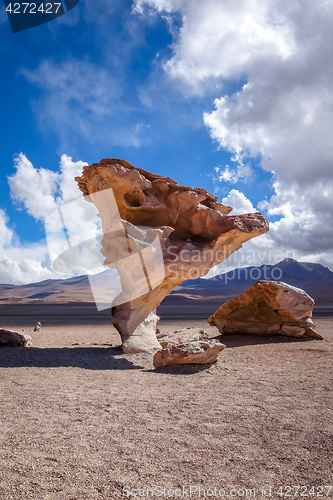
80, 420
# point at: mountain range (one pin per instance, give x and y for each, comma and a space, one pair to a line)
315, 279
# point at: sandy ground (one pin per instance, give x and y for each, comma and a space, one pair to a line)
80, 420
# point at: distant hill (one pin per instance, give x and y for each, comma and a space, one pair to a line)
315, 279
49, 291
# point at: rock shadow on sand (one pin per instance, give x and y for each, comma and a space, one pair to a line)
90, 358
185, 369
246, 340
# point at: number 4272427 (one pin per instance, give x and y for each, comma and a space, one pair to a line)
31, 8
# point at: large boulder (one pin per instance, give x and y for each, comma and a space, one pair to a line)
158, 234
267, 308
10, 338
197, 352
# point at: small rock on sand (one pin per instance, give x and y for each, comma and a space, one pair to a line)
38, 327
197, 352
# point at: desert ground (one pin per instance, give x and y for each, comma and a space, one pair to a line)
80, 420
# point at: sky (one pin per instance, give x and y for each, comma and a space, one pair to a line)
234, 96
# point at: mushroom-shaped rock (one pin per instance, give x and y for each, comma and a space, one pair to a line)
197, 352
267, 308
158, 234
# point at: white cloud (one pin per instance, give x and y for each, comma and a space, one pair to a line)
299, 234
41, 192
24, 271
289, 128
20, 264
232, 175
239, 203
68, 188
7, 234
283, 49
224, 38
283, 115
79, 96
34, 188
306, 222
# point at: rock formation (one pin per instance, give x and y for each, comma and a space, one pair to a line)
267, 308
181, 336
10, 338
196, 352
158, 234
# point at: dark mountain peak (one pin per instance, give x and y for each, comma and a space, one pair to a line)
288, 261
297, 266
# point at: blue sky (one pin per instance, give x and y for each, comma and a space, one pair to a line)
234, 97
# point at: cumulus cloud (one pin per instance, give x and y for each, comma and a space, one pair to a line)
299, 234
289, 128
232, 175
18, 264
7, 234
38, 201
306, 222
282, 115
41, 192
224, 39
283, 49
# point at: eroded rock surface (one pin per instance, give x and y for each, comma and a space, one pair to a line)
197, 352
10, 338
267, 308
160, 234
143, 339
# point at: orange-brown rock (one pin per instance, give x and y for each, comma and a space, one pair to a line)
146, 199
267, 308
197, 352
193, 232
